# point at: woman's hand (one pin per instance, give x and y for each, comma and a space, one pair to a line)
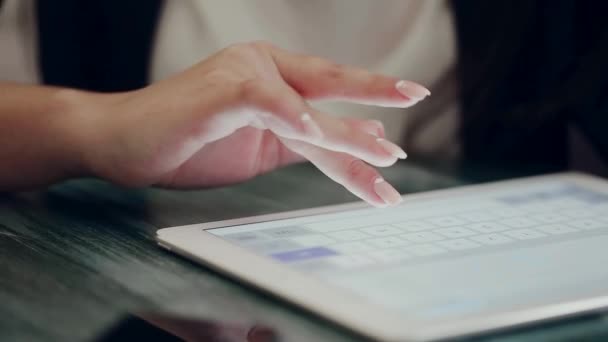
240, 113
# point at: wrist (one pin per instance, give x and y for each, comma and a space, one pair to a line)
78, 122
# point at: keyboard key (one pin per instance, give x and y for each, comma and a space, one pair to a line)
519, 222
352, 247
348, 235
303, 254
247, 237
524, 234
588, 224
414, 226
425, 250
506, 212
315, 265
478, 216
312, 240
388, 242
458, 244
324, 227
389, 255
549, 217
273, 246
448, 221
349, 223
421, 237
455, 232
351, 261
491, 239
487, 227
284, 232
381, 230
556, 229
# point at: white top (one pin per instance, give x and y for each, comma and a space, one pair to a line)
409, 39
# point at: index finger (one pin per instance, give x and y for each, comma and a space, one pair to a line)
316, 78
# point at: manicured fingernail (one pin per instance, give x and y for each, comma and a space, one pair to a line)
385, 191
379, 127
311, 127
391, 148
412, 90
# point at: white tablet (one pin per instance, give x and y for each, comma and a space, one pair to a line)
442, 264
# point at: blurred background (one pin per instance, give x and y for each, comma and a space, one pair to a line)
514, 82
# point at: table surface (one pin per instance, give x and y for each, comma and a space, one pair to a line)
77, 258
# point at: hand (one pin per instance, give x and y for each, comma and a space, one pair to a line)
243, 112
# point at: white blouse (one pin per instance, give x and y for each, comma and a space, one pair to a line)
409, 39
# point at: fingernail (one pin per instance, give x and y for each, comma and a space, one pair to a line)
379, 127
391, 148
385, 191
412, 90
311, 127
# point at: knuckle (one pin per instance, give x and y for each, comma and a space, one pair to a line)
377, 83
249, 49
253, 90
373, 79
262, 45
235, 48
357, 171
218, 76
333, 70
322, 64
363, 138
258, 93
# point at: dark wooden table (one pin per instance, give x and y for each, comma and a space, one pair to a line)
77, 258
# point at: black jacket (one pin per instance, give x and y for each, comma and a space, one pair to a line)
528, 69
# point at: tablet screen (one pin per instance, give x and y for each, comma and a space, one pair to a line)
434, 259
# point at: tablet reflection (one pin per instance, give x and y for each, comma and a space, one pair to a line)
166, 328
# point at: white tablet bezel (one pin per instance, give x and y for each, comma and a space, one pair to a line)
346, 308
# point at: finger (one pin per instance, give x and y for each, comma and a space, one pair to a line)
352, 173
280, 109
263, 105
340, 136
373, 127
319, 79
